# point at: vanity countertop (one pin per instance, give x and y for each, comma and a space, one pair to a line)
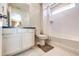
21, 27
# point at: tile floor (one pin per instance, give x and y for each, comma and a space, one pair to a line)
57, 51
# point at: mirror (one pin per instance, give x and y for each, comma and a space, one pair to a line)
18, 14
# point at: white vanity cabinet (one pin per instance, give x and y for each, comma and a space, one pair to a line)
28, 38
17, 40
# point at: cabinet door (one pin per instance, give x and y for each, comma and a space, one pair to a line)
11, 43
28, 39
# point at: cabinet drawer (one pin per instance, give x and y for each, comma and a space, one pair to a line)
28, 30
12, 35
12, 30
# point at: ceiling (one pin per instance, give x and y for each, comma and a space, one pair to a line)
22, 6
45, 5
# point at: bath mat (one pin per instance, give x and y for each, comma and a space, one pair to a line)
46, 47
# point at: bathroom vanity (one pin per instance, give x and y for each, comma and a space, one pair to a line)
16, 40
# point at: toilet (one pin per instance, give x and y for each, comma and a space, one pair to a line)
41, 39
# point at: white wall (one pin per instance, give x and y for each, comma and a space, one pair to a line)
1, 30
0, 37
35, 16
25, 19
45, 22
